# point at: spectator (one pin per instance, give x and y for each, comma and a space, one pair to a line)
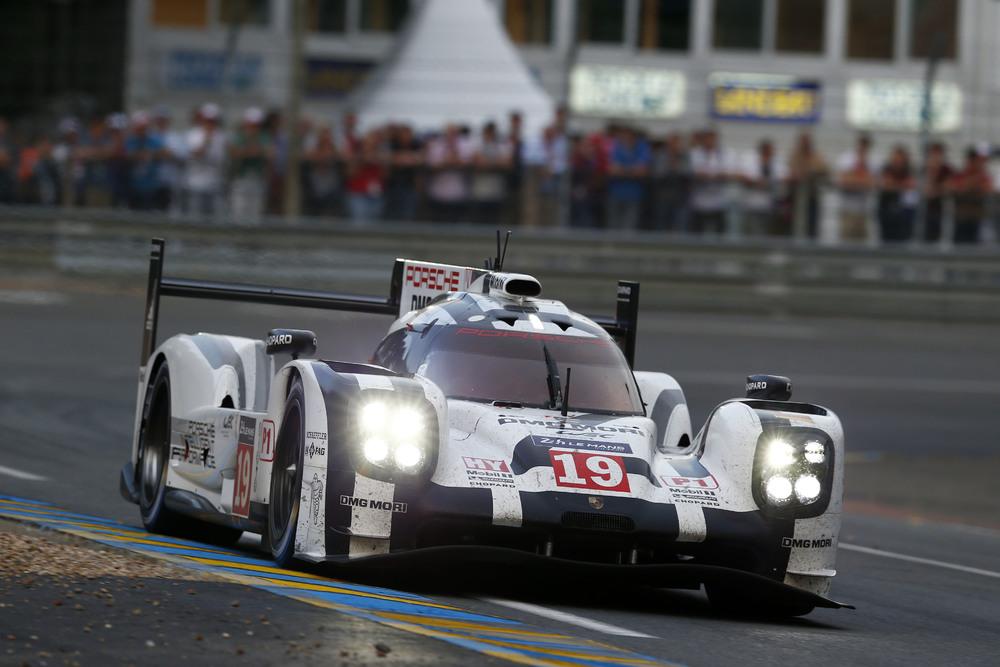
366, 179
491, 162
348, 141
551, 157
322, 182
587, 187
407, 156
709, 168
971, 187
114, 153
202, 179
763, 179
8, 159
856, 180
897, 197
146, 154
936, 177
37, 174
447, 158
252, 153
627, 173
671, 185
807, 171
68, 154
274, 128
174, 157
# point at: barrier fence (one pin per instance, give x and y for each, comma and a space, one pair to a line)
761, 276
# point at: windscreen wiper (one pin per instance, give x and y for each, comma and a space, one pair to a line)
552, 379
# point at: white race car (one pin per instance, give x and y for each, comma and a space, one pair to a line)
489, 421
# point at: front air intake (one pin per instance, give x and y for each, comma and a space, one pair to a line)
520, 287
603, 522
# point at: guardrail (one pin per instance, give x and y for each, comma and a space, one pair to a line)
773, 276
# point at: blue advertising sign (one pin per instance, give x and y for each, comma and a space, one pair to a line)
764, 98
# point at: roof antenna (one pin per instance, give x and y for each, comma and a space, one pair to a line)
503, 255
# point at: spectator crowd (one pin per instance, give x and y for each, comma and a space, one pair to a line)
617, 178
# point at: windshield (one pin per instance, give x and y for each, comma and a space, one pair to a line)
486, 364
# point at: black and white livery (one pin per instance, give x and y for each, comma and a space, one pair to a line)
487, 416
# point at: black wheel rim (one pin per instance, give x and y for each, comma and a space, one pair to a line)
155, 444
286, 475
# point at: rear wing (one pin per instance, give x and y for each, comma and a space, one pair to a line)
413, 285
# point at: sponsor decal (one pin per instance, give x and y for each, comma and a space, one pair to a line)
569, 426
279, 339
436, 278
756, 386
316, 435
315, 498
583, 470
794, 543
248, 430
192, 454
244, 473
488, 473
351, 501
532, 335
267, 437
316, 450
227, 422
691, 482
575, 443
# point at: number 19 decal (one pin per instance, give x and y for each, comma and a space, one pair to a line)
583, 470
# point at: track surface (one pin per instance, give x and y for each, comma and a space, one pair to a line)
918, 402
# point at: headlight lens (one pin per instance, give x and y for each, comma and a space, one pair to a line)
793, 472
393, 435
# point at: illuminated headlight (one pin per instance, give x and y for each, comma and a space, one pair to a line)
807, 488
793, 472
393, 436
779, 490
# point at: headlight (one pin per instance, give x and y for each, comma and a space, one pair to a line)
394, 435
793, 472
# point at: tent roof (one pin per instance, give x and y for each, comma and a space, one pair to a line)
453, 63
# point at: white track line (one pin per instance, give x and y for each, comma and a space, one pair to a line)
565, 617
21, 474
922, 561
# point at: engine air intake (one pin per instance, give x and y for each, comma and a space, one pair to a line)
605, 522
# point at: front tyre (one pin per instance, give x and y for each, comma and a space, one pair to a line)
286, 477
154, 456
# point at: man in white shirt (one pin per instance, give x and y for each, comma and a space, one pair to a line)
711, 171
205, 146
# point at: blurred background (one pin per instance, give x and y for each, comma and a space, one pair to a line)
864, 122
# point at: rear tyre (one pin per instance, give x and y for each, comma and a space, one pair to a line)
154, 461
730, 601
286, 477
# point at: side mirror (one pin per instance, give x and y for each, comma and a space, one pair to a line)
769, 387
296, 342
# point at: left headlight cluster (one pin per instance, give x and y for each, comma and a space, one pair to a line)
793, 472
394, 436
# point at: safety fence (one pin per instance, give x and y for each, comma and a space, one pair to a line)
773, 276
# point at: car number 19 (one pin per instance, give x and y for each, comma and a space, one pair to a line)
584, 470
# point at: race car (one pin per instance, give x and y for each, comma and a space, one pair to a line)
488, 420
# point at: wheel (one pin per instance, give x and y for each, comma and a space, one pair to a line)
154, 460
286, 477
154, 456
730, 601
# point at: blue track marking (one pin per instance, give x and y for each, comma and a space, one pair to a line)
490, 635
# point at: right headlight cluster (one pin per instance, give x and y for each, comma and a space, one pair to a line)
793, 472
395, 436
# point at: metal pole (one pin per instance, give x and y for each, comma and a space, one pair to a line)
293, 109
566, 180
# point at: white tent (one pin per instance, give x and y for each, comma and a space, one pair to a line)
453, 63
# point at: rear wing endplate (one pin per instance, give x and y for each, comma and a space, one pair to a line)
403, 297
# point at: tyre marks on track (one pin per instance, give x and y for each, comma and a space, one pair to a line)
490, 635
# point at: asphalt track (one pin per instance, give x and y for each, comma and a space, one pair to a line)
918, 403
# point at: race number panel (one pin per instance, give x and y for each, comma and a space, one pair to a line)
584, 470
